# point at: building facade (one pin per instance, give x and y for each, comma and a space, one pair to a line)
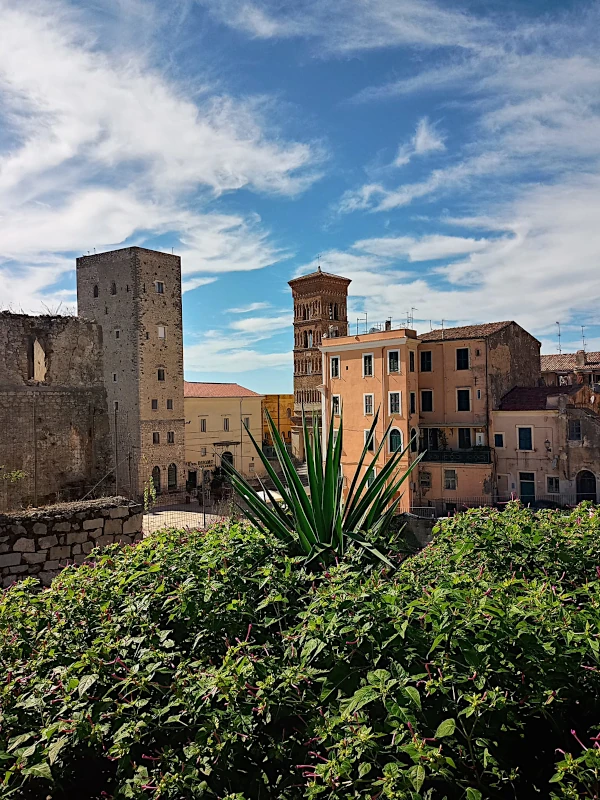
568, 369
216, 417
281, 409
134, 294
54, 427
320, 311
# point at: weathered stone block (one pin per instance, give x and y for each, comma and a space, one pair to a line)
62, 526
77, 537
96, 534
24, 546
18, 570
76, 549
51, 565
4, 548
4, 539
47, 541
79, 559
90, 524
47, 577
133, 524
40, 529
112, 526
8, 581
124, 539
18, 530
34, 558
102, 541
122, 511
60, 552
87, 547
10, 560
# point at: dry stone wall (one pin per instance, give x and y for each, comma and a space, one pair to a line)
42, 541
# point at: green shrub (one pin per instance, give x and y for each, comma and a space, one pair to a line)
215, 665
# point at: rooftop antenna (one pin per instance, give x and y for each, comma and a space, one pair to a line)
583, 341
442, 329
412, 316
559, 346
318, 262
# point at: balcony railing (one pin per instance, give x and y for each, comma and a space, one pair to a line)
478, 455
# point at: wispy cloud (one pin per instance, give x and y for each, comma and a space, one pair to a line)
249, 308
426, 140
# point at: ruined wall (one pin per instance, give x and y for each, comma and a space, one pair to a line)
41, 542
53, 413
513, 360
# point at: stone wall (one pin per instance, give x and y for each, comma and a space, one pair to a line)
42, 541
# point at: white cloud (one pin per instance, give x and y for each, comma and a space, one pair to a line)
98, 148
427, 248
195, 283
426, 140
220, 352
261, 325
249, 308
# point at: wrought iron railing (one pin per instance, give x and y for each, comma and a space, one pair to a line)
478, 455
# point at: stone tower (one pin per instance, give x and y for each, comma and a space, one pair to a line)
135, 295
320, 309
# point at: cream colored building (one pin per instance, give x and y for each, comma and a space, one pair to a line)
215, 415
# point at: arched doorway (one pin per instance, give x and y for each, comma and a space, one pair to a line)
227, 456
172, 477
156, 479
586, 486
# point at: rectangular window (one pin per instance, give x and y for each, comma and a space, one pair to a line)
413, 402
463, 399
370, 441
553, 485
426, 400
162, 331
394, 402
116, 405
114, 377
394, 361
368, 398
203, 451
247, 422
462, 358
525, 438
170, 437
499, 440
368, 365
169, 405
203, 425
527, 487
450, 479
225, 423
156, 437
479, 394
154, 405
160, 287
411, 361
161, 374
464, 438
372, 477
335, 405
426, 361
117, 334
574, 430
425, 480
335, 366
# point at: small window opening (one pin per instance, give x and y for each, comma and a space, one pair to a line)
96, 292
113, 288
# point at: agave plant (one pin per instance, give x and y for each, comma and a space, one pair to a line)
321, 520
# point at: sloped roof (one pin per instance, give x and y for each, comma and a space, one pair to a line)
199, 389
534, 398
464, 332
319, 273
567, 362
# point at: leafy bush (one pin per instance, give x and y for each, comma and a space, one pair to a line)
216, 665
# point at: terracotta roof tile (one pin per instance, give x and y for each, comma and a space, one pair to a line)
199, 389
533, 398
464, 332
566, 362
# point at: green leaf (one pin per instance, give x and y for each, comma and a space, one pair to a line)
417, 776
473, 794
362, 697
414, 695
18, 740
86, 683
55, 748
445, 728
364, 769
41, 770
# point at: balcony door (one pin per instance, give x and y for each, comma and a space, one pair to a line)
527, 487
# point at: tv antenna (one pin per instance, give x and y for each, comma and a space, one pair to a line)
559, 345
583, 341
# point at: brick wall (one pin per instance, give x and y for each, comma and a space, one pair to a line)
41, 542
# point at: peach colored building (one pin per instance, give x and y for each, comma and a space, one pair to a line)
281, 409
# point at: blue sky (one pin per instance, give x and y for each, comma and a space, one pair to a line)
445, 157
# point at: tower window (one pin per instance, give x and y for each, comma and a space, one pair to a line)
117, 334
154, 405
96, 291
368, 365
225, 423
113, 288
156, 437
116, 405
247, 422
156, 479
161, 374
203, 425
172, 477
169, 405
36, 361
114, 377
170, 437
160, 287
162, 332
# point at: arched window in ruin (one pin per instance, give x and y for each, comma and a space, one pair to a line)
172, 477
96, 291
156, 479
113, 288
36, 361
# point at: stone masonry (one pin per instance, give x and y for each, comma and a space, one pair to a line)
43, 541
135, 295
54, 425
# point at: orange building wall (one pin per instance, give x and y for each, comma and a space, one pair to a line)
281, 409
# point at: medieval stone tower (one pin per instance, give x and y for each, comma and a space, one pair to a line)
320, 308
135, 295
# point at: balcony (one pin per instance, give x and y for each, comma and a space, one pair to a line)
477, 455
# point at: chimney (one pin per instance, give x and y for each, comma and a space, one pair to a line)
580, 359
388, 324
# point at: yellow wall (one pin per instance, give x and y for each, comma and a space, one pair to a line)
202, 449
281, 409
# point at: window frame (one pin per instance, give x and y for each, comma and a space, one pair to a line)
391, 371
525, 428
155, 437
411, 360
370, 449
574, 438
422, 409
392, 450
161, 371
162, 328
226, 424
157, 284
447, 479
425, 353
470, 445
246, 422
371, 412
202, 424
334, 398
460, 350
469, 393
170, 437
427, 483
338, 361
413, 403
154, 404
552, 478
399, 412
499, 446
372, 476
170, 401
372, 357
